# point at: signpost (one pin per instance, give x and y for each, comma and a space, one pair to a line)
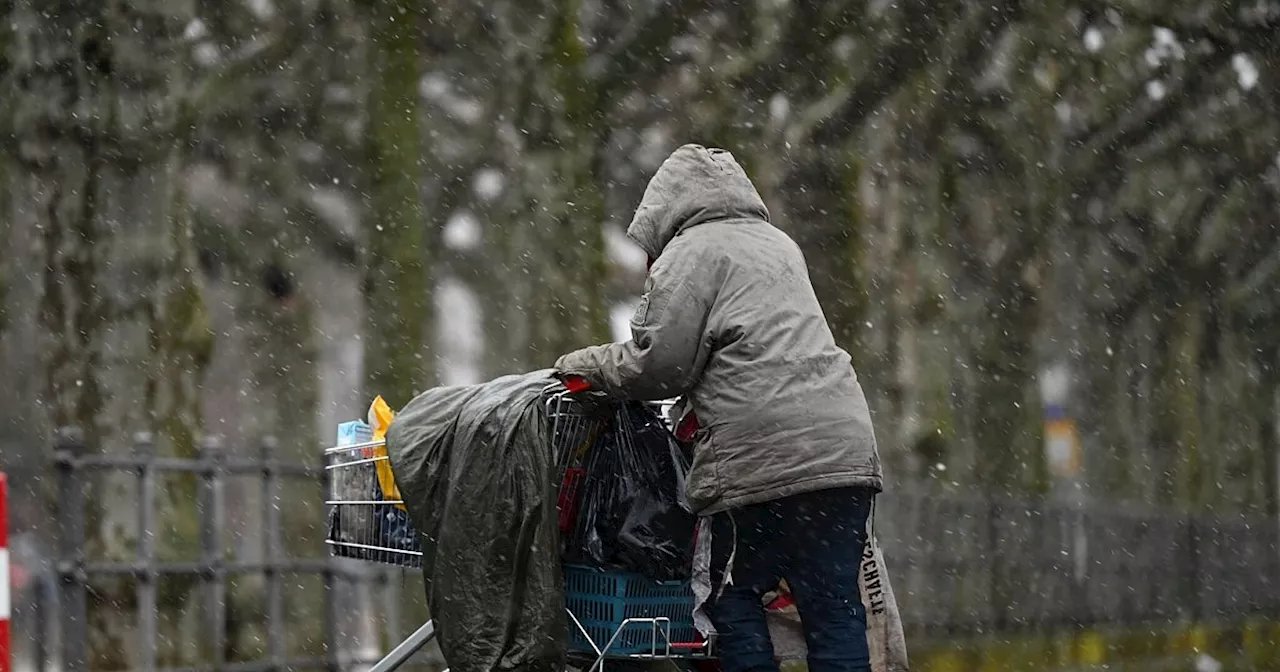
1061, 442
6, 652
1064, 456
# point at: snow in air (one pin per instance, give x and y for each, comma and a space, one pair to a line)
1246, 71
462, 231
1093, 39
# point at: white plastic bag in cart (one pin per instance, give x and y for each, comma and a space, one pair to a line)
885, 638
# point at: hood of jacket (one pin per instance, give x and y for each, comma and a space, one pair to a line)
693, 186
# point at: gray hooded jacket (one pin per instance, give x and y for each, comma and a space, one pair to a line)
729, 318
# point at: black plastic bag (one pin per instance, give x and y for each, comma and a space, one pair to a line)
632, 512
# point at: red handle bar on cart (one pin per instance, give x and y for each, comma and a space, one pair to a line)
576, 384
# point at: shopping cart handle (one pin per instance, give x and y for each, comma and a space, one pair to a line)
689, 645
576, 384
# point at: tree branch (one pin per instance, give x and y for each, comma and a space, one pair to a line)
263, 55
323, 235
640, 48
963, 57
910, 53
1126, 130
1223, 32
1251, 296
1099, 157
1177, 260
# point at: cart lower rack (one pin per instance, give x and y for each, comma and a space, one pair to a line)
658, 628
611, 615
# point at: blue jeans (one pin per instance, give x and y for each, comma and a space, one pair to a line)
815, 541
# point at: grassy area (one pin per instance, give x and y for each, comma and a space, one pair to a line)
1248, 645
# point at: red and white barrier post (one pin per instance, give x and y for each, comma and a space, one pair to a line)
5, 651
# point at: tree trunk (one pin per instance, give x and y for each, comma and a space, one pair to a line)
121, 307
1177, 407
1269, 430
823, 210
398, 357
1006, 423
566, 308
287, 378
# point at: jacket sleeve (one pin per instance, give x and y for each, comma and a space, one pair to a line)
667, 351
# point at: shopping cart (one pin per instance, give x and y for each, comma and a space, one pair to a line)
612, 616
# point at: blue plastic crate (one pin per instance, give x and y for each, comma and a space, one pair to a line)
602, 600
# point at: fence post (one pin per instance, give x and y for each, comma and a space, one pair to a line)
72, 595
1192, 576
40, 617
331, 614
145, 450
391, 587
999, 603
271, 551
1084, 579
6, 653
215, 577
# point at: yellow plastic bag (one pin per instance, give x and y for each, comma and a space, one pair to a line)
380, 417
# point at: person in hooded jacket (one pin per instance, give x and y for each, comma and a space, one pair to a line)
785, 461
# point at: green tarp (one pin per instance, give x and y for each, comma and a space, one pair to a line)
475, 467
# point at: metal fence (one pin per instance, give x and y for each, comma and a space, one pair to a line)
975, 564
957, 564
75, 573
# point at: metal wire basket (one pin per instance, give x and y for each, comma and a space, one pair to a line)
364, 523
